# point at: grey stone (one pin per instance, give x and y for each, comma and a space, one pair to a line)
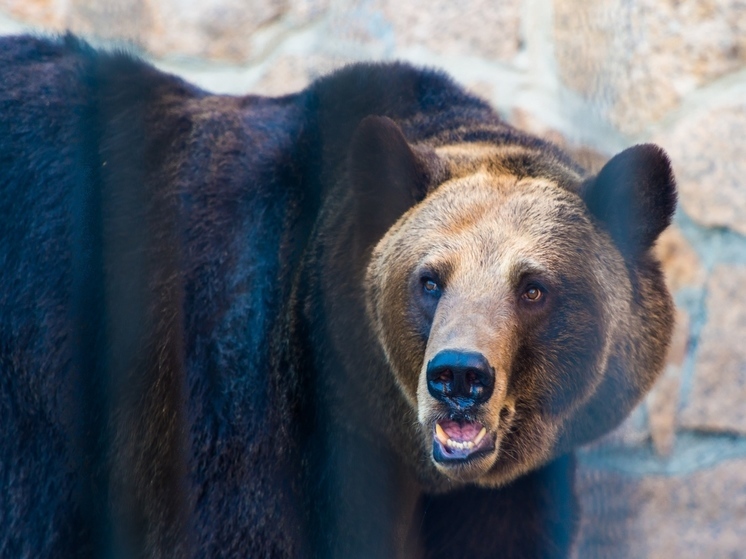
707, 152
635, 60
702, 514
290, 73
680, 261
718, 395
468, 27
49, 14
123, 21
663, 400
471, 27
219, 30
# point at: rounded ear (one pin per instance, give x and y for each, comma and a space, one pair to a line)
388, 175
633, 197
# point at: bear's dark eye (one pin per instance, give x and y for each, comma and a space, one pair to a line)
430, 286
533, 294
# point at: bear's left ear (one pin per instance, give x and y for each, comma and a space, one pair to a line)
634, 197
387, 174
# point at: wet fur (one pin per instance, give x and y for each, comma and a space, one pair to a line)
189, 364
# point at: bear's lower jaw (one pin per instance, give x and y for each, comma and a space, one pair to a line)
460, 447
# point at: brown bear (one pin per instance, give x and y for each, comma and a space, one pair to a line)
369, 319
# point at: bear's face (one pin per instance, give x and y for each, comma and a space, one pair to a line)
489, 296
498, 301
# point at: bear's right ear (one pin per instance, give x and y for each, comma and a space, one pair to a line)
388, 175
633, 197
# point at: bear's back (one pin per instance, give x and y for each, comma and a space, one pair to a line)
147, 222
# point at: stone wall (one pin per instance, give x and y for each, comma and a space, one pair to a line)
594, 76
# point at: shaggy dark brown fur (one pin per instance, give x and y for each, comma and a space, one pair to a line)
227, 321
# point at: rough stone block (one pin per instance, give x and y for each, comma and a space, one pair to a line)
224, 30
122, 21
291, 73
472, 27
663, 400
688, 516
49, 14
635, 60
680, 261
221, 29
707, 150
718, 394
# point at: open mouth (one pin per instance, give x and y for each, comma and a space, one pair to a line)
456, 441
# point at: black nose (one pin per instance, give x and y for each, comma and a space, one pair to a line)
460, 378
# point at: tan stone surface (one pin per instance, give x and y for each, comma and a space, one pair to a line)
663, 400
661, 403
124, 20
301, 12
288, 74
44, 13
635, 60
220, 29
707, 150
702, 514
472, 27
468, 27
718, 398
285, 75
679, 259
482, 89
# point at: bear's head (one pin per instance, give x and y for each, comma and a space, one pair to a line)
518, 303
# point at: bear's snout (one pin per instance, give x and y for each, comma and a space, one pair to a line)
460, 379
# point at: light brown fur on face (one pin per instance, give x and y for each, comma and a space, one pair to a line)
485, 229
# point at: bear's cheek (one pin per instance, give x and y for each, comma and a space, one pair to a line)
402, 332
558, 363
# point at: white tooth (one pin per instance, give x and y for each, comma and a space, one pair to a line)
442, 437
469, 444
480, 436
450, 443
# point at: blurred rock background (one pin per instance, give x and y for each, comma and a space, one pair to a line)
594, 76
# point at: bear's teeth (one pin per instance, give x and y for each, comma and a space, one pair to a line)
445, 440
442, 437
464, 445
480, 436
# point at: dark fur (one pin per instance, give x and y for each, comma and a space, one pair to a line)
186, 365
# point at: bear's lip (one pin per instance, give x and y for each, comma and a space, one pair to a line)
456, 442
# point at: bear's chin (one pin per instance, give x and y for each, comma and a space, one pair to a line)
471, 469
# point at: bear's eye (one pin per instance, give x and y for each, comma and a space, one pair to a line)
533, 294
430, 286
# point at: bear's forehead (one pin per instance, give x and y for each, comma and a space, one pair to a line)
497, 226
484, 207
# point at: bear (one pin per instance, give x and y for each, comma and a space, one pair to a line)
368, 319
